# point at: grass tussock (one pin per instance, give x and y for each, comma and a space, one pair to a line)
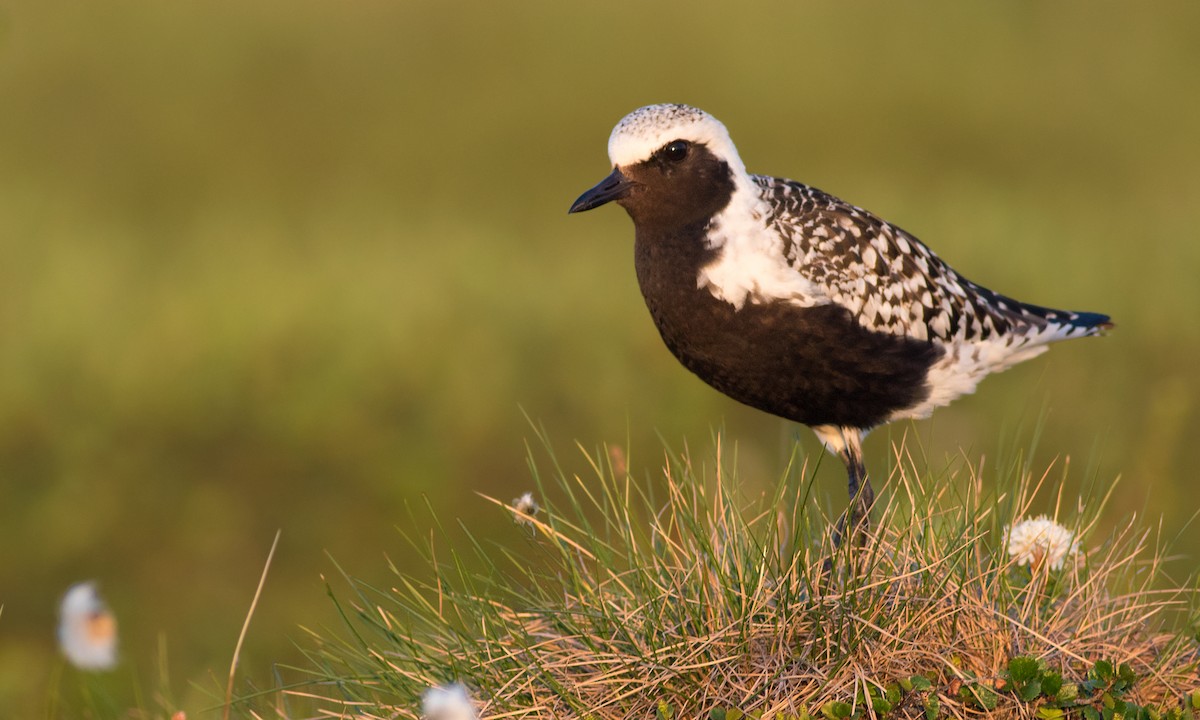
678, 596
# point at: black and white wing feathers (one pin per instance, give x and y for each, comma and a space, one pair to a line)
891, 282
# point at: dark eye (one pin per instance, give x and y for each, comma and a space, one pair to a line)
675, 151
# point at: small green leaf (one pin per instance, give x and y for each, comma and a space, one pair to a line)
1023, 669
716, 714
1050, 713
987, 697
919, 682
1126, 673
665, 711
892, 693
861, 696
932, 707
1030, 691
1090, 713
1067, 693
1195, 699
734, 714
1102, 671
979, 695
1052, 683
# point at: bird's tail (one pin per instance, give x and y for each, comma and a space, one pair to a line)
1042, 324
1033, 328
1094, 323
1051, 325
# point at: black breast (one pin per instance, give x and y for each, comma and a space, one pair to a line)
813, 365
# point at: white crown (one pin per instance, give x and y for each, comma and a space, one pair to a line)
645, 130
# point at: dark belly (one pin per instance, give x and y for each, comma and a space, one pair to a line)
812, 365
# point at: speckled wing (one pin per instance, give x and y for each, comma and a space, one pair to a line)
891, 282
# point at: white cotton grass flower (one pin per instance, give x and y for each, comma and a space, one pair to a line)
527, 507
87, 630
448, 702
1040, 541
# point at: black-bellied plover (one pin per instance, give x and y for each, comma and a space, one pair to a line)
795, 302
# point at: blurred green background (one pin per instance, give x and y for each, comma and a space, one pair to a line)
295, 264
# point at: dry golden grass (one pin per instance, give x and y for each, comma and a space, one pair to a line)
619, 604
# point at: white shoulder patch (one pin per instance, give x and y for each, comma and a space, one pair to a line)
752, 266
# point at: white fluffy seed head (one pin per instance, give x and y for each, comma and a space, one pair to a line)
1039, 541
87, 631
448, 702
647, 129
526, 506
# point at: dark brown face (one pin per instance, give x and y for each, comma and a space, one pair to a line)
680, 184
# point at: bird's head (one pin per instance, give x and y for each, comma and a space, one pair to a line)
672, 164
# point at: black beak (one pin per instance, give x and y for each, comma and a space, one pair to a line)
613, 187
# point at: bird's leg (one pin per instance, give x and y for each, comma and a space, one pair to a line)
862, 495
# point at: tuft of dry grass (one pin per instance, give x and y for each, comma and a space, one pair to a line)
676, 596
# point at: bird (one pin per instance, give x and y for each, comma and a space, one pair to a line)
800, 304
